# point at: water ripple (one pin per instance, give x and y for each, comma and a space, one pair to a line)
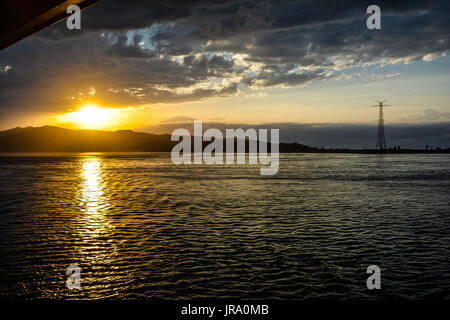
140, 227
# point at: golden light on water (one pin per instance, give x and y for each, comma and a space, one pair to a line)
93, 199
95, 228
92, 191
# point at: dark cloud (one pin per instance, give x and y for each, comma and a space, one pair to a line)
189, 50
283, 77
53, 75
121, 49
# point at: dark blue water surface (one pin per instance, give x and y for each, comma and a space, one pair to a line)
140, 227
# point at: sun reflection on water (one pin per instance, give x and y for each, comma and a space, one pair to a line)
98, 245
92, 188
94, 224
93, 200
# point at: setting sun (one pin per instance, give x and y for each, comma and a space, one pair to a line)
88, 117
91, 117
94, 117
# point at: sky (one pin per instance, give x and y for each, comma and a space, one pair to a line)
310, 68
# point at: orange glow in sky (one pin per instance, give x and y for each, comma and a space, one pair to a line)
89, 117
93, 117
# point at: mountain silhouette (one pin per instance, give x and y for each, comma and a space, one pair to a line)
54, 139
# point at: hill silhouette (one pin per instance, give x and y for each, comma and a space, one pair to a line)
54, 139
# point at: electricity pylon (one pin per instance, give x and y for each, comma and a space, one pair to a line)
381, 139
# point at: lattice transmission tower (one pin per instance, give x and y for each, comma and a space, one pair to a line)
381, 139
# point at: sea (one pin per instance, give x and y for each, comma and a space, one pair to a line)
139, 227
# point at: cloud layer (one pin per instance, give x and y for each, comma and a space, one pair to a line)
138, 52
428, 115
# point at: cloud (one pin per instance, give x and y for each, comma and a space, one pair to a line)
428, 115
283, 78
121, 49
139, 52
178, 119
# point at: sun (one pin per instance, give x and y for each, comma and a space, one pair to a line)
92, 117
89, 116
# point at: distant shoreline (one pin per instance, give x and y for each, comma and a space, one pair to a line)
374, 151
59, 140
328, 151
